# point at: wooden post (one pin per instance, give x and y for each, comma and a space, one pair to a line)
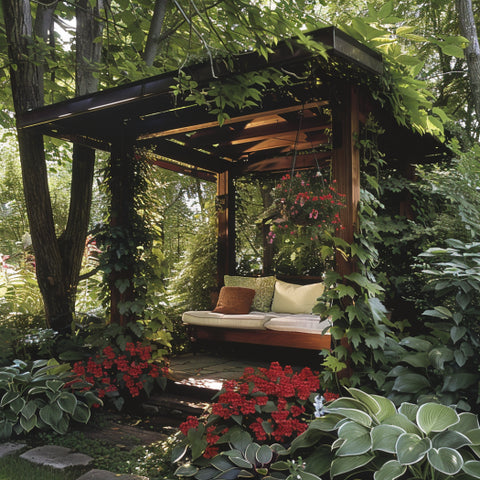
122, 196
346, 166
225, 226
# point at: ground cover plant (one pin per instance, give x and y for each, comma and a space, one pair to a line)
251, 424
42, 394
121, 376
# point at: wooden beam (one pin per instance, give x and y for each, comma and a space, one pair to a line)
188, 127
187, 155
184, 170
226, 226
346, 166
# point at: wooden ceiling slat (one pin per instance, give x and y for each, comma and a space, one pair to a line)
185, 125
189, 156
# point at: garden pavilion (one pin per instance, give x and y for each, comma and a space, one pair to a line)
185, 137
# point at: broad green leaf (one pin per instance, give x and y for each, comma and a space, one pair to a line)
410, 383
319, 461
353, 414
326, 423
348, 464
187, 470
29, 409
387, 408
450, 439
355, 446
433, 417
411, 448
9, 397
409, 410
51, 414
416, 343
178, 452
240, 462
67, 402
452, 50
403, 422
419, 359
366, 399
468, 421
472, 468
384, 437
445, 460
28, 424
17, 405
54, 385
459, 381
351, 429
346, 402
220, 462
390, 471
264, 455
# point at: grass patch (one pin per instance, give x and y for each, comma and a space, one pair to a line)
151, 461
14, 468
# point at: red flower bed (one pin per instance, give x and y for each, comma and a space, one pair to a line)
274, 405
120, 374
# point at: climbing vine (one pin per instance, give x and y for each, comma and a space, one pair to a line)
132, 256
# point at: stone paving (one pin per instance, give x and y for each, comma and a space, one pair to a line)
208, 371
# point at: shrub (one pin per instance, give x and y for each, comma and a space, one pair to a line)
121, 376
367, 433
41, 395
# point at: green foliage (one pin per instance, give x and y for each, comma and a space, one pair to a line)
248, 459
428, 441
194, 277
40, 395
443, 364
131, 258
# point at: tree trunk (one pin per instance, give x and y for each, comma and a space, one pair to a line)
58, 262
153, 38
88, 54
472, 53
27, 94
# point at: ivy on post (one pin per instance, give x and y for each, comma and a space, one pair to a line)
122, 247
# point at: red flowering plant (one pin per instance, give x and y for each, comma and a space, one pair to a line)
309, 205
120, 376
270, 406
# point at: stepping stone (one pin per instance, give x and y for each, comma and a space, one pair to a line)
105, 475
56, 457
9, 448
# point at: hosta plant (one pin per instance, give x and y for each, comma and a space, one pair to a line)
41, 395
245, 458
428, 441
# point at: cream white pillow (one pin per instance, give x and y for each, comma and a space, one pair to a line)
292, 298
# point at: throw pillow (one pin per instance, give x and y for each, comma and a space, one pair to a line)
234, 300
292, 298
263, 287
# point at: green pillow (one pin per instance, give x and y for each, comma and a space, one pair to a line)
263, 286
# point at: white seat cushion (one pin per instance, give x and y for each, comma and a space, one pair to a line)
298, 323
249, 321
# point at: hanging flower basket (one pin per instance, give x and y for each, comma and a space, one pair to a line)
308, 205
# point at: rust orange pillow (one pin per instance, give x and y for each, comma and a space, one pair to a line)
234, 300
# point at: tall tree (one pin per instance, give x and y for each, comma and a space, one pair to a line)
472, 51
57, 260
